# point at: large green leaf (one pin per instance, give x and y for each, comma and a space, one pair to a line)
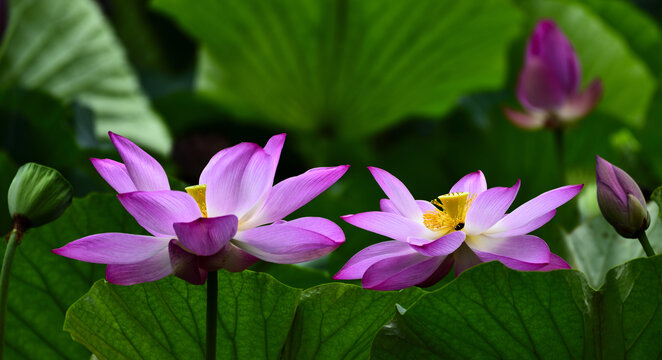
43, 285
166, 319
258, 319
338, 321
67, 49
492, 312
640, 30
352, 66
628, 309
604, 54
31, 125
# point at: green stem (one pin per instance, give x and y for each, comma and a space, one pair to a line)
558, 141
643, 239
212, 313
14, 240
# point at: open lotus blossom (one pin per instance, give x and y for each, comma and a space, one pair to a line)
232, 219
549, 82
465, 227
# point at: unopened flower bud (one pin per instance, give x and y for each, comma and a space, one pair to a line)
38, 194
549, 83
620, 199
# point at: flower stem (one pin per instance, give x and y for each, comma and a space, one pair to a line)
14, 240
643, 239
560, 154
212, 313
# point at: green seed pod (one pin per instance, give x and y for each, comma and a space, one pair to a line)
38, 194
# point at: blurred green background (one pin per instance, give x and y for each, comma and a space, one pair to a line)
413, 87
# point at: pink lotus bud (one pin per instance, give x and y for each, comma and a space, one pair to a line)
549, 82
621, 200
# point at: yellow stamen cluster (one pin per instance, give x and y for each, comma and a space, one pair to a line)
451, 209
198, 193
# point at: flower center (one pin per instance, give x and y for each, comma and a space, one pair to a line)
451, 209
198, 192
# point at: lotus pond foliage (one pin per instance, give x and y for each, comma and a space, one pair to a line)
297, 179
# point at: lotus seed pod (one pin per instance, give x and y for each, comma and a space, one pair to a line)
38, 194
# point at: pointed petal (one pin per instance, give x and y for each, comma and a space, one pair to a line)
291, 194
113, 248
400, 272
610, 205
555, 263
390, 225
320, 225
523, 252
536, 207
582, 103
488, 208
155, 268
443, 246
157, 211
145, 172
617, 180
362, 260
526, 121
629, 185
526, 228
115, 174
509, 262
398, 193
185, 265
230, 258
605, 175
207, 236
238, 154
538, 88
291, 242
274, 147
473, 183
236, 179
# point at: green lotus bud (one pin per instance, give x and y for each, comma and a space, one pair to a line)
38, 194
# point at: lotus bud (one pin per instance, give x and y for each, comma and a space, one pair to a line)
620, 199
549, 83
38, 195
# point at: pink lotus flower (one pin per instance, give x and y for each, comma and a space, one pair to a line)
465, 227
229, 221
550, 80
